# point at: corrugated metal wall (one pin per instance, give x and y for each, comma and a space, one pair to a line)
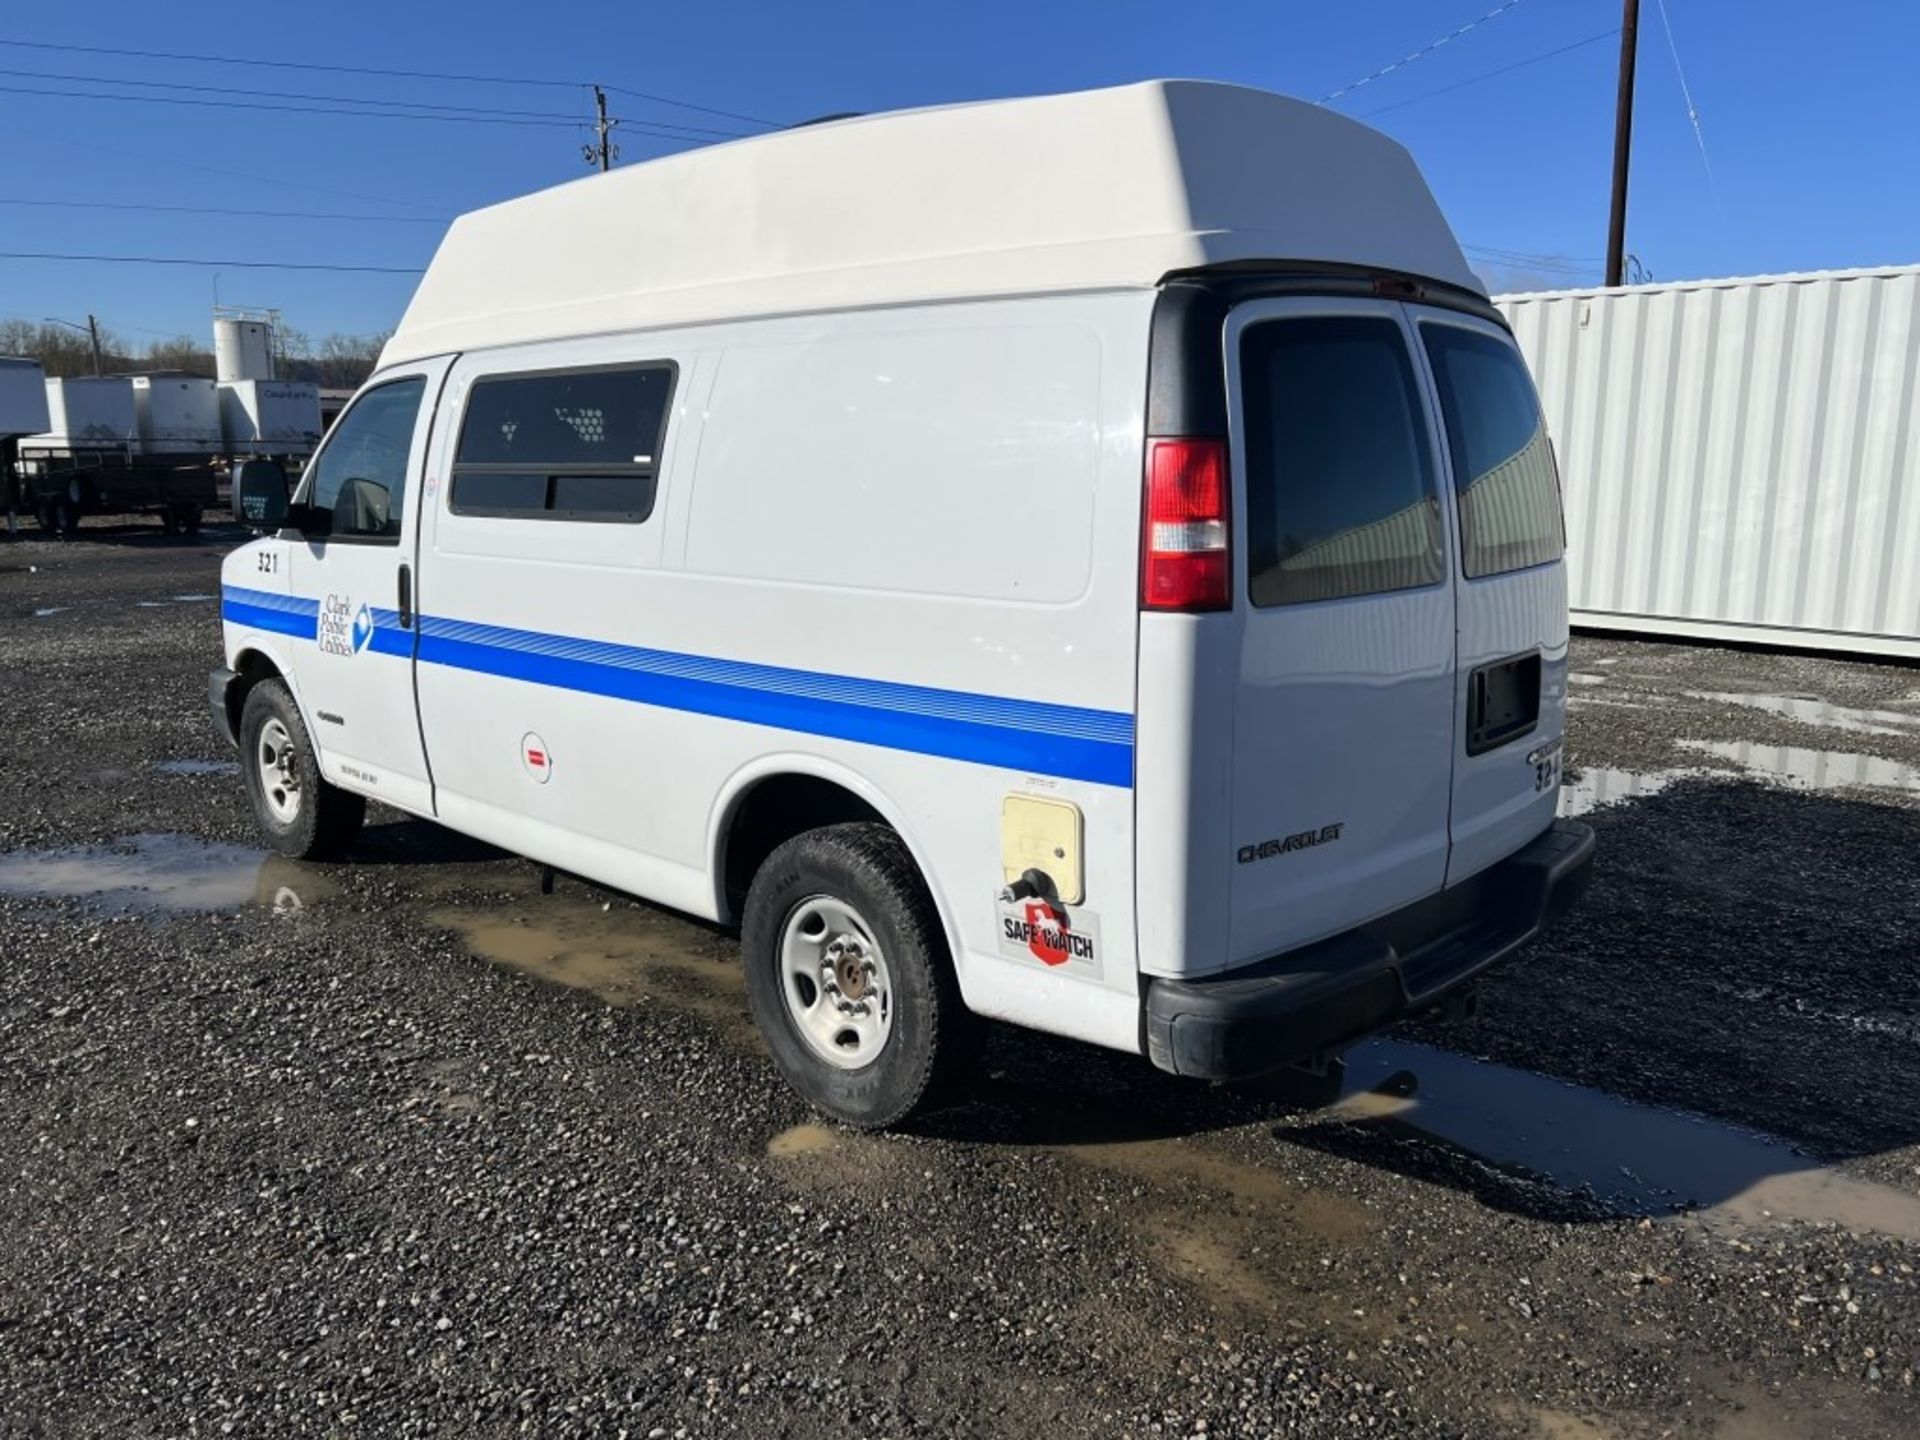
1739, 457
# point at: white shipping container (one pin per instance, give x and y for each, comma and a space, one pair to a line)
278, 417
1739, 457
177, 414
91, 410
23, 397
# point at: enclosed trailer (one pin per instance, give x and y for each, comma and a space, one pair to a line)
272, 417
91, 460
23, 397
95, 411
1739, 457
23, 411
177, 415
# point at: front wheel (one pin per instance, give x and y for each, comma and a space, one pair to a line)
301, 815
849, 979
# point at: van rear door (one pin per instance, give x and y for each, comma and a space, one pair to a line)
1345, 698
1511, 591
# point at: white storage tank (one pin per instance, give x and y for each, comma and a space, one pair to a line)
23, 397
177, 414
273, 417
242, 349
1740, 458
91, 410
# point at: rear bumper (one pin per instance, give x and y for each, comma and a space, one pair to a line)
219, 685
1281, 1011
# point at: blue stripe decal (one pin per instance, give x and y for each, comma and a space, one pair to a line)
264, 610
388, 638
1050, 739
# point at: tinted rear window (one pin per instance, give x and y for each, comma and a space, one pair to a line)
1340, 477
1502, 468
566, 445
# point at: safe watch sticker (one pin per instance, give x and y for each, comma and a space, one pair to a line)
1050, 935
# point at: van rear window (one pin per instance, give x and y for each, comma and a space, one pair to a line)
1502, 467
1341, 496
563, 445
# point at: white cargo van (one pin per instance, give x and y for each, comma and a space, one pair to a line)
1090, 561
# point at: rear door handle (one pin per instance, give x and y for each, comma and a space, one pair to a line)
406, 598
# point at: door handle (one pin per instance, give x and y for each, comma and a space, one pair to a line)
406, 598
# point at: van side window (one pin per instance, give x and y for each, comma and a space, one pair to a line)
358, 481
563, 445
1502, 467
1341, 496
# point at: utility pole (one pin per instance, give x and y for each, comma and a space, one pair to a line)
605, 152
92, 330
1622, 142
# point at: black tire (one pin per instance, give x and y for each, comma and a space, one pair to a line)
325, 819
933, 1040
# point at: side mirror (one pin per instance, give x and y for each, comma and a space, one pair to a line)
260, 494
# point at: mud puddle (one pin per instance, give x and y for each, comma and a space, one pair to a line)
1812, 710
163, 873
623, 953
797, 1140
1597, 785
1812, 769
1636, 1159
197, 767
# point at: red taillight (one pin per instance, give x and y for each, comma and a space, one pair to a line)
1185, 563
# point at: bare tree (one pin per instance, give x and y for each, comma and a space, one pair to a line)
62, 351
182, 352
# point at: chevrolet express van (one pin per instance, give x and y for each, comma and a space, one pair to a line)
1092, 562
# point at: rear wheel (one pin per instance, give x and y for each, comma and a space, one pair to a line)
301, 815
849, 979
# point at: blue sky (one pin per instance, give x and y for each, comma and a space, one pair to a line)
1809, 114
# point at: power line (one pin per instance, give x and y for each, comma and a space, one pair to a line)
221, 264
367, 114
1530, 257
1693, 112
1490, 74
369, 70
222, 210
689, 105
1421, 53
463, 111
175, 162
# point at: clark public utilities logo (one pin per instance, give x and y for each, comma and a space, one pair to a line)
342, 629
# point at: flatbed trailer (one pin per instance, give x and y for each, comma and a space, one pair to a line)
61, 484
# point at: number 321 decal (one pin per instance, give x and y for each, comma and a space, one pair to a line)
1545, 760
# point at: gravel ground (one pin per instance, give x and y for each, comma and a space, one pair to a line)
403, 1147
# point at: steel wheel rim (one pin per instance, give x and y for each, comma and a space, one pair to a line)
835, 982
279, 771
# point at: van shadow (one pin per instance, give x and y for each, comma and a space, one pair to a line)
407, 841
1734, 1003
